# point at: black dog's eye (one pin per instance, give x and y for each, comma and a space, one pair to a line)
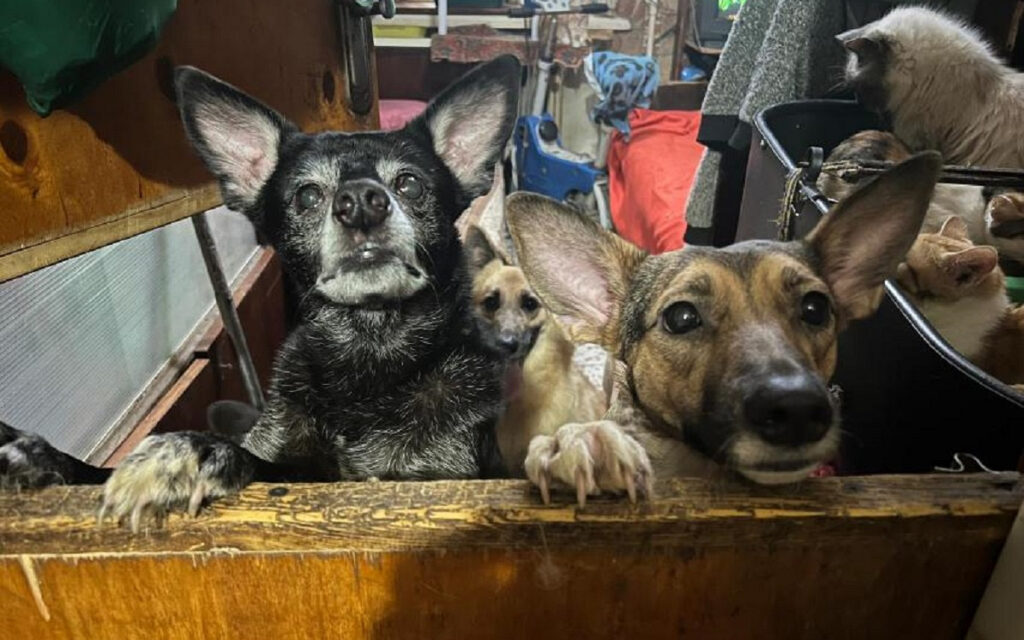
815, 309
492, 302
529, 303
408, 186
680, 317
308, 197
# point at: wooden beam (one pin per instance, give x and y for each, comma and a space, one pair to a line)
859, 557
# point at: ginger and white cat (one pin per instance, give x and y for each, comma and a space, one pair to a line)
942, 86
959, 287
995, 220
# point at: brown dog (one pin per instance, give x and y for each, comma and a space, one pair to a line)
725, 353
544, 389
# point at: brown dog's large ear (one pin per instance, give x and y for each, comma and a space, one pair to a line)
479, 250
580, 271
862, 240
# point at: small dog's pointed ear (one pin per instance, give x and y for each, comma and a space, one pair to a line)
479, 250
580, 271
470, 121
862, 240
236, 136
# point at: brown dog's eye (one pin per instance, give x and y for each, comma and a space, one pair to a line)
529, 303
492, 302
408, 186
308, 197
815, 309
680, 317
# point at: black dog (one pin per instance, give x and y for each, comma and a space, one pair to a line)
384, 376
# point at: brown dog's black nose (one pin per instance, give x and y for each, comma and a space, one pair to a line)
361, 204
789, 409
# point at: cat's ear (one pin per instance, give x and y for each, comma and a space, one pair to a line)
969, 266
954, 227
864, 45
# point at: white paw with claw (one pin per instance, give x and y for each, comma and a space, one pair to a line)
173, 471
593, 457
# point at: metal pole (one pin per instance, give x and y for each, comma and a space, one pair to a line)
226, 306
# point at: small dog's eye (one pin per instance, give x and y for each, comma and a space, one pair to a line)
492, 302
529, 303
408, 186
815, 309
680, 317
308, 197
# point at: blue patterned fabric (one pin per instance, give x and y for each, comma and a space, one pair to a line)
622, 83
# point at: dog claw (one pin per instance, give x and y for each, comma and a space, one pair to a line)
196, 500
542, 484
581, 489
630, 484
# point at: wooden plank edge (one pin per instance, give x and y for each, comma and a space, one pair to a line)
382, 516
131, 223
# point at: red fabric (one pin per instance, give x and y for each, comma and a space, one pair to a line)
394, 114
650, 177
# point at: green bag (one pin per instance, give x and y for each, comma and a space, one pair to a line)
62, 49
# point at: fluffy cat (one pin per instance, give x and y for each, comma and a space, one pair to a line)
995, 220
957, 285
942, 86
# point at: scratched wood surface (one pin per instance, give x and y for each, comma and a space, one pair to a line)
116, 163
878, 557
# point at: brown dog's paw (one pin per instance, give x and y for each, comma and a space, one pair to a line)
593, 457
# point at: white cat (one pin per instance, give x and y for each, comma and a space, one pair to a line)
942, 86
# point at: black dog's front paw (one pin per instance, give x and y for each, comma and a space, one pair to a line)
174, 471
27, 461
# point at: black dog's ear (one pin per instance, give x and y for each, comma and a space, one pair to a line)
862, 240
479, 250
470, 121
236, 136
580, 271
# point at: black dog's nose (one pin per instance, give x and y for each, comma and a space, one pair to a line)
790, 409
361, 204
509, 343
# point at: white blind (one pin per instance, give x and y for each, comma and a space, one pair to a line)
80, 340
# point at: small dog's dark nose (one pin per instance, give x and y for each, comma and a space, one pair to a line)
361, 204
790, 409
509, 343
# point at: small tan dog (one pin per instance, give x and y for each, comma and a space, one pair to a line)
544, 388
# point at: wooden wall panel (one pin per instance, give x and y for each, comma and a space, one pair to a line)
880, 557
117, 163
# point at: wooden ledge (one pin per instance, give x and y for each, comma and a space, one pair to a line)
846, 558
397, 516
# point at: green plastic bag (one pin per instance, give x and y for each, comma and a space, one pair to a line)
62, 49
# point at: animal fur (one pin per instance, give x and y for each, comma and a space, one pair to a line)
957, 285
995, 219
386, 375
544, 389
723, 354
941, 85
960, 288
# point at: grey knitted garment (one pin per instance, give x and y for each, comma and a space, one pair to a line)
778, 50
